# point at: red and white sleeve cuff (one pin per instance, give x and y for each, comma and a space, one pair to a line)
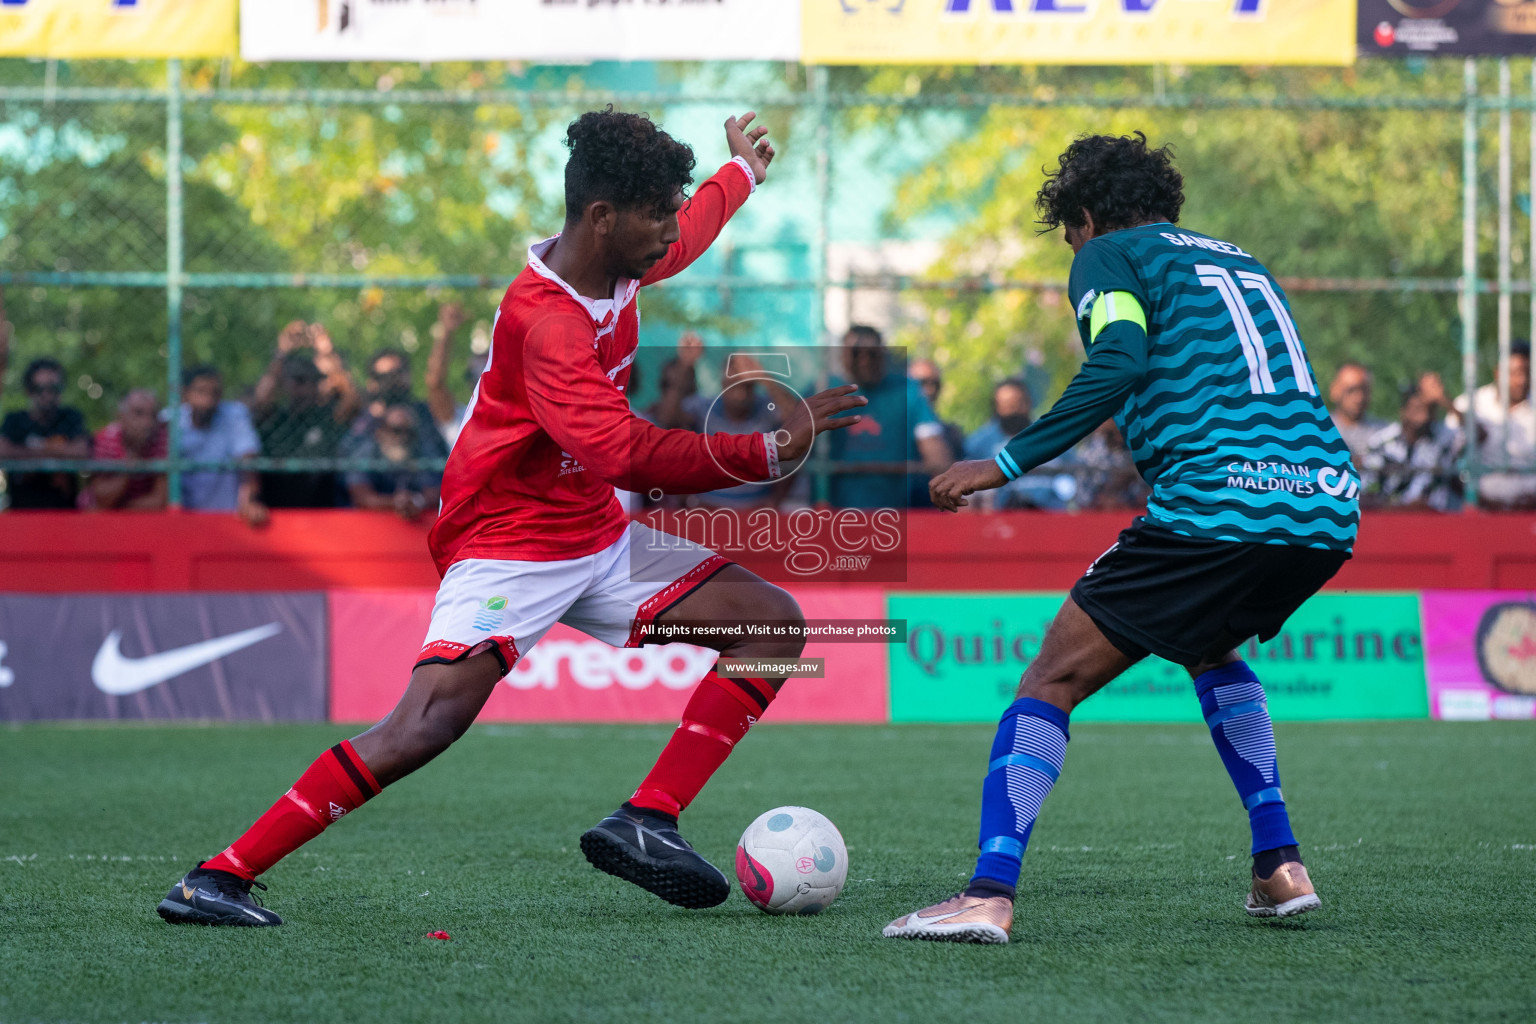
771, 446
747, 170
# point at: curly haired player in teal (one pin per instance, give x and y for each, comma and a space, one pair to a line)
1192, 349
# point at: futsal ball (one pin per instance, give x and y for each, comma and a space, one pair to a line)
791, 860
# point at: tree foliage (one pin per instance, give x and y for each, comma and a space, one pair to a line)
306, 188
417, 188
1359, 193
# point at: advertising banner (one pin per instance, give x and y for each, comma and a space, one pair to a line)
1078, 31
117, 28
1340, 656
1407, 28
570, 677
235, 657
530, 30
1480, 653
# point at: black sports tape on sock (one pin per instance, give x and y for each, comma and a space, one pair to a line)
1267, 862
985, 887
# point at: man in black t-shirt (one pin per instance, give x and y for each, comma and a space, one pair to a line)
389, 384
302, 408
44, 430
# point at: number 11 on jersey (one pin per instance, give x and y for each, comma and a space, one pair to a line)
1260, 382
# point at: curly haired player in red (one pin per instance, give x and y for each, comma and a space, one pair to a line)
531, 534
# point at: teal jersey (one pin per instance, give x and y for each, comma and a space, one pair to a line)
1227, 425
1209, 383
888, 430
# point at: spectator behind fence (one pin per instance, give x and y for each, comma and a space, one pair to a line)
44, 430
1350, 396
1412, 463
303, 407
926, 373
1110, 480
677, 402
137, 433
743, 407
389, 383
213, 430
447, 412
896, 432
1506, 441
408, 492
1052, 487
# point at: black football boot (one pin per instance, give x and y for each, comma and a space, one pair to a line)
644, 847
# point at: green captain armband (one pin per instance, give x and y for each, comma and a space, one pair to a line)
1110, 307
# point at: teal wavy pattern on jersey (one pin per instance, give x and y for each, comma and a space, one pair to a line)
1227, 424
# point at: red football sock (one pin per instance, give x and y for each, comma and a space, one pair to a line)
718, 715
336, 783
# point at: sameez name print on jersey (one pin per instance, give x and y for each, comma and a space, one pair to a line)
1226, 424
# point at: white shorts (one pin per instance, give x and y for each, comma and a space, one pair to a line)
507, 606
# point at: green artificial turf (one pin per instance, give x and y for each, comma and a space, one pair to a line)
1421, 837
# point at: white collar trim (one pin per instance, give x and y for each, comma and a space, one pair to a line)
623, 291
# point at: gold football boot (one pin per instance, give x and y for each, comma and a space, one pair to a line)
1286, 892
958, 919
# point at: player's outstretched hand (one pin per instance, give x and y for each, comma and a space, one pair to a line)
949, 488
750, 144
814, 416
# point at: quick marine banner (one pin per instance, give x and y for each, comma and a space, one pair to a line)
1341, 656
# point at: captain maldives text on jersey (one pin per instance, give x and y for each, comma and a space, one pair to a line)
1285, 476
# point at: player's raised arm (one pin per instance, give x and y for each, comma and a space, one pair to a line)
714, 203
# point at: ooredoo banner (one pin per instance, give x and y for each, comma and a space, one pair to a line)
236, 657
1078, 31
1480, 653
1340, 656
117, 28
1409, 28
570, 677
531, 30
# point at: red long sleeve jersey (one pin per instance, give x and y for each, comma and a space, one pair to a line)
549, 432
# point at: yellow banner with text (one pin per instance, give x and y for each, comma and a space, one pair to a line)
1078, 31
118, 28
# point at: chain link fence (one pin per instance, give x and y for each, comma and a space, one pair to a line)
320, 248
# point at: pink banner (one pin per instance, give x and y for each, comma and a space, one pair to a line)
1480, 653
570, 677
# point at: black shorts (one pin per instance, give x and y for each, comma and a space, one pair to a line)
1191, 600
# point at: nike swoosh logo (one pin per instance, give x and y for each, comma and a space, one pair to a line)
118, 676
220, 902
657, 836
759, 882
939, 917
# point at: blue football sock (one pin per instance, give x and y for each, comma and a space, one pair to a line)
1233, 703
1026, 758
